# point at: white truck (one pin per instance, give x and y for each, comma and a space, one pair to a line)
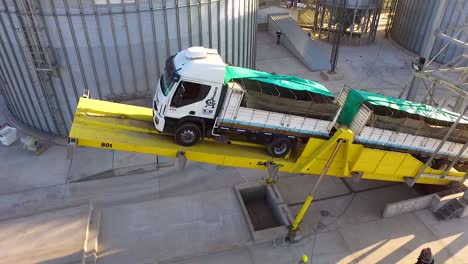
194, 99
200, 96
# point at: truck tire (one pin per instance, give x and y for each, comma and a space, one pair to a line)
279, 147
187, 134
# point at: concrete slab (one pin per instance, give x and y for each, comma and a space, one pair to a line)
378, 67
21, 170
53, 237
368, 206
103, 192
328, 247
172, 227
129, 159
90, 161
226, 257
199, 177
363, 184
398, 239
295, 188
451, 233
331, 76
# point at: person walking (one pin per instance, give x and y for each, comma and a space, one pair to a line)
425, 257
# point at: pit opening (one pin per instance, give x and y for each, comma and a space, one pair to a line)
258, 203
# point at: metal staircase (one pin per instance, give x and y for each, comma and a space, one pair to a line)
39, 57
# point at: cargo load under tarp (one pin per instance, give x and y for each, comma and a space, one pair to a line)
283, 93
404, 116
285, 81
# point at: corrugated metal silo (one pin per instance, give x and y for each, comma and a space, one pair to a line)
51, 50
410, 26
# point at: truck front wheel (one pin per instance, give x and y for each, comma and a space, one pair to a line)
279, 147
187, 134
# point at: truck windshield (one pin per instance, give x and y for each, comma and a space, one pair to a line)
167, 79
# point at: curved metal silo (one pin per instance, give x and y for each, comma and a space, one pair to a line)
51, 50
410, 26
357, 18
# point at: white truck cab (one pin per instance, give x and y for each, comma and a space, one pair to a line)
189, 90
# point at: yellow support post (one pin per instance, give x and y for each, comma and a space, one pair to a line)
300, 215
295, 225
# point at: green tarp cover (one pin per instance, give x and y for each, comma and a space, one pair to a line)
357, 98
285, 81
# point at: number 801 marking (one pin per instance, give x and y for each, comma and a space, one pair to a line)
106, 145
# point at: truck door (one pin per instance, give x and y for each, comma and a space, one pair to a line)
193, 99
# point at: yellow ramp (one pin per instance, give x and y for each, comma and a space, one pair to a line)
108, 125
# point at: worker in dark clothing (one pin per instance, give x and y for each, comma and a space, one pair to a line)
425, 257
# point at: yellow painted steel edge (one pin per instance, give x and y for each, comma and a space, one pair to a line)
207, 151
111, 109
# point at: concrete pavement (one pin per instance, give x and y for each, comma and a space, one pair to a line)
52, 237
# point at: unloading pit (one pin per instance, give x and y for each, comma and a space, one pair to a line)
265, 211
259, 208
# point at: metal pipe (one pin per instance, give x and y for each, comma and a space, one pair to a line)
300, 215
453, 40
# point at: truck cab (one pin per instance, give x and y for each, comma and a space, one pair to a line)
188, 94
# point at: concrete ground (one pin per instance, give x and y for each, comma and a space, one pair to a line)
380, 67
50, 237
159, 214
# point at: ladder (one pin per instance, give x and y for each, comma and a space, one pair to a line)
39, 57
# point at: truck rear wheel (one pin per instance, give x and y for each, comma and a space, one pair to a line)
279, 147
187, 134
